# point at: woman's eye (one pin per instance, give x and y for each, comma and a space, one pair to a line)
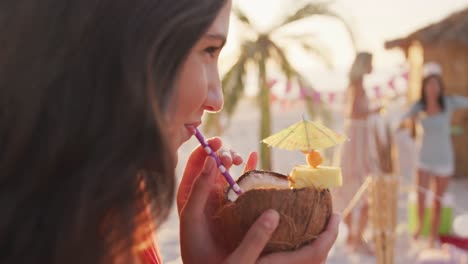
212, 51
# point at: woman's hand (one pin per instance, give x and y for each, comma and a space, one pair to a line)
195, 165
313, 253
378, 110
198, 198
197, 202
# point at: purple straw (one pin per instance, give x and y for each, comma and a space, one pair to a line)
221, 168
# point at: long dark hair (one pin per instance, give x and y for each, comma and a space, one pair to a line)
440, 98
83, 152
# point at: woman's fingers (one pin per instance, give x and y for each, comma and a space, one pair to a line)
328, 237
225, 158
236, 158
194, 227
229, 158
252, 162
316, 252
256, 238
199, 154
194, 164
201, 188
193, 169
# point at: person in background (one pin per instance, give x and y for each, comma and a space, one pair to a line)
436, 158
356, 163
96, 98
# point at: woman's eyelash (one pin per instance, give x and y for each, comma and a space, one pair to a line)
211, 50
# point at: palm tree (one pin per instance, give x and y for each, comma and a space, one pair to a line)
267, 49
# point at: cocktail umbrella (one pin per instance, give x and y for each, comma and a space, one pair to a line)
305, 136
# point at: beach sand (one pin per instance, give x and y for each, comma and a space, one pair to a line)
242, 136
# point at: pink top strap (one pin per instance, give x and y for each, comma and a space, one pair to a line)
150, 255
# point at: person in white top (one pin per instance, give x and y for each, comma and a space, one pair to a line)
436, 158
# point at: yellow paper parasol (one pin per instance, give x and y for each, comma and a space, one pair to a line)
304, 136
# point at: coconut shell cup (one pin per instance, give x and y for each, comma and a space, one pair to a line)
304, 213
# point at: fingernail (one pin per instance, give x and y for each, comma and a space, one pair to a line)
271, 219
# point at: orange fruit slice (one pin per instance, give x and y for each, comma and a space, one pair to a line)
314, 159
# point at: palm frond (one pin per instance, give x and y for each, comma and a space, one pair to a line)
279, 57
233, 82
308, 10
316, 9
318, 51
243, 18
310, 36
311, 44
233, 87
348, 28
315, 110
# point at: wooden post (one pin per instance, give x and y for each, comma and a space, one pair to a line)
383, 192
416, 62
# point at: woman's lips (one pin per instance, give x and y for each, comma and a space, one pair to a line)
191, 127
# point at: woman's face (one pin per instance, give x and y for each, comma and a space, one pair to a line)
198, 85
432, 89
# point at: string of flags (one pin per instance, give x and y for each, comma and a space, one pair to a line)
396, 85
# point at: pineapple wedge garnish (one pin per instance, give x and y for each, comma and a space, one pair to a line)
323, 177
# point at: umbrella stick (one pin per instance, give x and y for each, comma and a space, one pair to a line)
356, 197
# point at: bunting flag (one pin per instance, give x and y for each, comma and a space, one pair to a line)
271, 83
305, 92
391, 83
331, 97
285, 104
378, 91
273, 98
316, 98
288, 87
405, 76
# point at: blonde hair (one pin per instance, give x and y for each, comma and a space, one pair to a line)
360, 66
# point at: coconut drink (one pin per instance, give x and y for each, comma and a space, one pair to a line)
302, 198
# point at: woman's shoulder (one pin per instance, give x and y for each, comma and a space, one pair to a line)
452, 97
451, 100
417, 105
456, 101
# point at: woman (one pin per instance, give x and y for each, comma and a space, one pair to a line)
96, 98
436, 162
356, 163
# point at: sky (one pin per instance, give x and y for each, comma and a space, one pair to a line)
372, 21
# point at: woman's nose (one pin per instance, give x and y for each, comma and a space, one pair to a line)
214, 99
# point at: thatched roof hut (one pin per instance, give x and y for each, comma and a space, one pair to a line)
445, 42
450, 32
